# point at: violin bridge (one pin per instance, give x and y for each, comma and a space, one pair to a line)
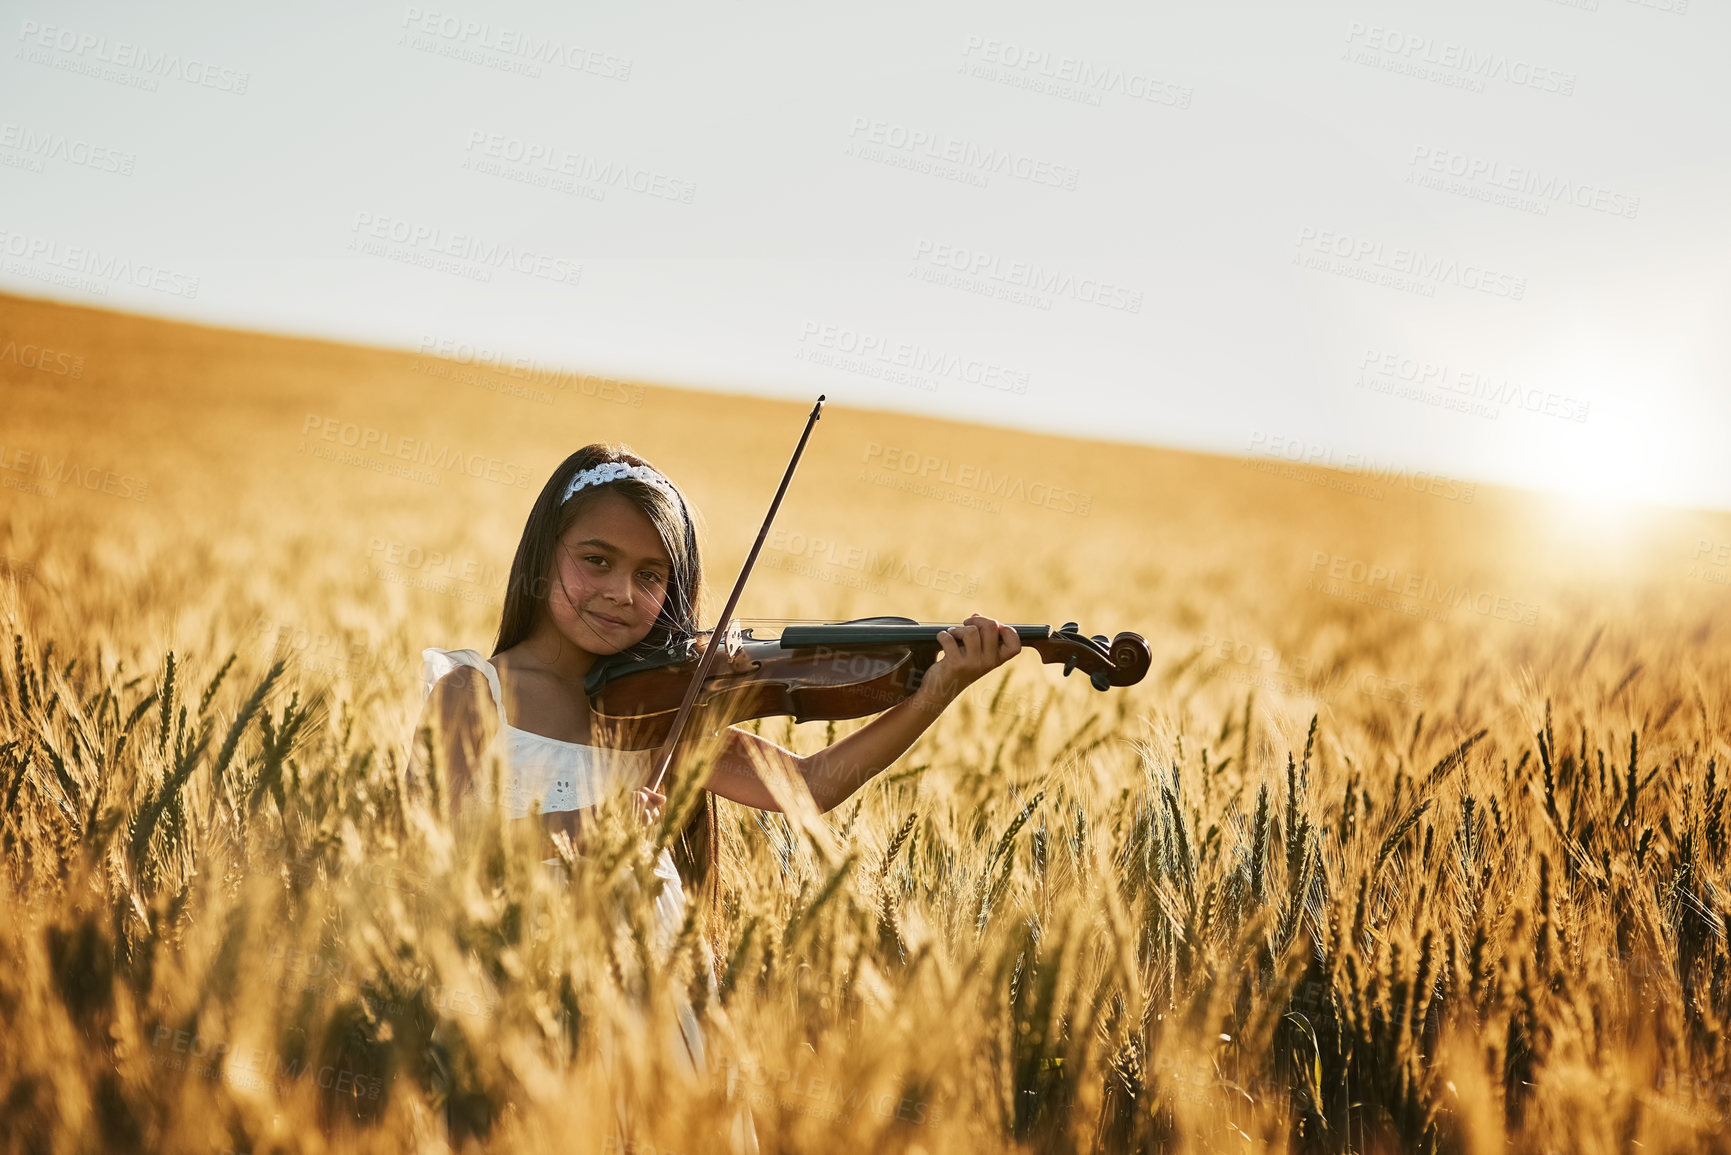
733, 646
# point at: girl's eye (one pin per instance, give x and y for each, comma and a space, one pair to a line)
650, 577
596, 559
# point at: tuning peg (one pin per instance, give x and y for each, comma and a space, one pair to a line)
1105, 642
1069, 664
1100, 680
1068, 628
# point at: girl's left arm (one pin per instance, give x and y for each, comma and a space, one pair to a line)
832, 774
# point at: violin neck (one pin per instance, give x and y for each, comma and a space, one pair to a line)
864, 633
1119, 661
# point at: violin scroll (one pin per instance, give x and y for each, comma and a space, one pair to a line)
1120, 661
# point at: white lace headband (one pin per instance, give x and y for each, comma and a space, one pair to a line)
613, 471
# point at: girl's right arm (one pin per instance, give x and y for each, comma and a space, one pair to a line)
457, 715
459, 711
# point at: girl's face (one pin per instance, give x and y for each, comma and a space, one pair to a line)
610, 577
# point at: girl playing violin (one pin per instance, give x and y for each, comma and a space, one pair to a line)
608, 563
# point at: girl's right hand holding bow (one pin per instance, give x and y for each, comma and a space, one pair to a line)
646, 804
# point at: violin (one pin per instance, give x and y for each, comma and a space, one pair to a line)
816, 673
810, 672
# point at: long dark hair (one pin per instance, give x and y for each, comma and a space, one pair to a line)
534, 570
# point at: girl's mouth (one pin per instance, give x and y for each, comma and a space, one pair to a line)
606, 620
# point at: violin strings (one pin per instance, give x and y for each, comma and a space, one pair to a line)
749, 622
820, 622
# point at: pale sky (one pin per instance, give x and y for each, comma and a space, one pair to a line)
1483, 239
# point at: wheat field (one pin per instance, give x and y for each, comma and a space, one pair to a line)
1414, 837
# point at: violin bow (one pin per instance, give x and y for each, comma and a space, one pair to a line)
715, 645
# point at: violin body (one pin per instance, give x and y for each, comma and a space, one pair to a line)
818, 673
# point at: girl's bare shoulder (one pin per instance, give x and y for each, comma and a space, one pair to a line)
457, 674
462, 698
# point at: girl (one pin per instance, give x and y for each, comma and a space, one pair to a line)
608, 563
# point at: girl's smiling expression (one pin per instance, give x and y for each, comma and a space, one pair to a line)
610, 577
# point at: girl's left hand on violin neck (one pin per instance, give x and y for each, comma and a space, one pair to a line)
971, 650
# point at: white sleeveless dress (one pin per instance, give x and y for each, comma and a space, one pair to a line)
571, 776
